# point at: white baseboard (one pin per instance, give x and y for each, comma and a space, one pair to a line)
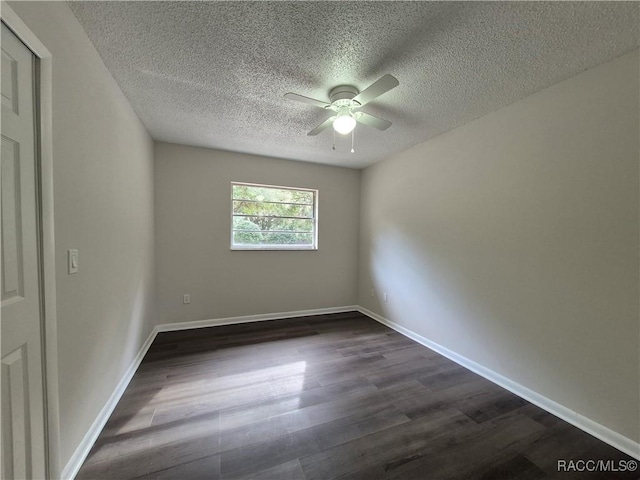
167, 327
599, 431
77, 459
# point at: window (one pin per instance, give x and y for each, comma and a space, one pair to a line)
265, 217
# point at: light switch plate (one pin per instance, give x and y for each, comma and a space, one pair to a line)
73, 261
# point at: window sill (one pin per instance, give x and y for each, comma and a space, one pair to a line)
274, 248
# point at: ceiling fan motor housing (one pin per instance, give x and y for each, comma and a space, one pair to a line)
342, 95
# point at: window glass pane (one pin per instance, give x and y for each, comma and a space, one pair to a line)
268, 217
251, 207
272, 194
257, 238
273, 223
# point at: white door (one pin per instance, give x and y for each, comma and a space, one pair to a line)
23, 430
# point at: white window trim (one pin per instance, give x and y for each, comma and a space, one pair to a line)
275, 247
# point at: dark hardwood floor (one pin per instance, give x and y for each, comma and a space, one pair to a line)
317, 398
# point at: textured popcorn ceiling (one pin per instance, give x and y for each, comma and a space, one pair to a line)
214, 74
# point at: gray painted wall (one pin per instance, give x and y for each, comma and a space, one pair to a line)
103, 187
193, 215
513, 241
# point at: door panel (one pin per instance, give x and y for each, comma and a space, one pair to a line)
15, 414
12, 265
23, 429
9, 82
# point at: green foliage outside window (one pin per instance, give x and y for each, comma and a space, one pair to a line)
246, 232
272, 216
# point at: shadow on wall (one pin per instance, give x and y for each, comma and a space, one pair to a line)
445, 290
118, 343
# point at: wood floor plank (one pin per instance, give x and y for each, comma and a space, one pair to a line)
153, 448
452, 452
268, 454
371, 455
285, 471
361, 424
321, 398
363, 407
206, 468
238, 416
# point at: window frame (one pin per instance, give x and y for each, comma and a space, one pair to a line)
262, 247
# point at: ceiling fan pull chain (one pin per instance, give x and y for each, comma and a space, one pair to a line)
334, 140
353, 132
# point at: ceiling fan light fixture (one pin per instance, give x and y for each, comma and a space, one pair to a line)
345, 101
344, 123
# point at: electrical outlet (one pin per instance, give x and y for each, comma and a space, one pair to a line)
386, 297
186, 298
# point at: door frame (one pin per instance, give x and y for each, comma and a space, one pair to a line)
44, 191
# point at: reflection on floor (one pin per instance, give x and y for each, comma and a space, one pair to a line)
317, 398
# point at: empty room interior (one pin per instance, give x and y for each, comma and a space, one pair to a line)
317, 240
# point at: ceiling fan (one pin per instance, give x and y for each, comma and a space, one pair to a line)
345, 102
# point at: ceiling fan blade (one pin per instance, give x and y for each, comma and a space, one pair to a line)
327, 123
310, 101
372, 121
376, 89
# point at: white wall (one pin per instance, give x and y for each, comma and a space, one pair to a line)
103, 188
513, 241
193, 218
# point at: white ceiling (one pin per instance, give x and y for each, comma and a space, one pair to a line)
213, 74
